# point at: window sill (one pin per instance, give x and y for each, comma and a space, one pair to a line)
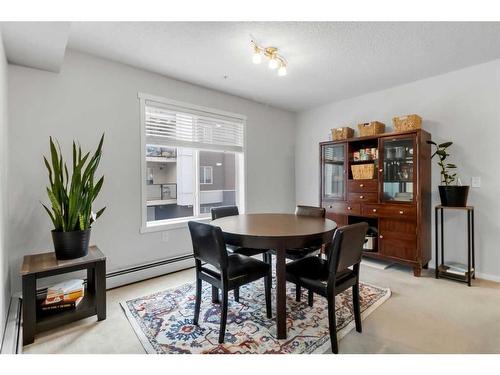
172, 225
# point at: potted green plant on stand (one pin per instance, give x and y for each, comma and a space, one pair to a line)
71, 199
451, 193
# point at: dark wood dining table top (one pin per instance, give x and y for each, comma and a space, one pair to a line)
274, 225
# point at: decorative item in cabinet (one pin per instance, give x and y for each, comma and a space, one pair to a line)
371, 239
333, 171
397, 167
371, 128
369, 153
363, 171
339, 134
408, 122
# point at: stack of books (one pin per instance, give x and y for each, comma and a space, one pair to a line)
63, 296
456, 269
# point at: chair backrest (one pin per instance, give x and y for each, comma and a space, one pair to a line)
223, 211
347, 246
208, 244
310, 211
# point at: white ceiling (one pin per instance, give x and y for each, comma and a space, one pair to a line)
38, 45
328, 61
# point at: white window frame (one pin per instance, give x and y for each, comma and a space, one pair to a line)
241, 166
205, 169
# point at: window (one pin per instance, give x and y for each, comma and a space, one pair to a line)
206, 173
192, 160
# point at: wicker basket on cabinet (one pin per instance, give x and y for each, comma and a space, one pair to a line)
408, 122
363, 171
342, 133
371, 128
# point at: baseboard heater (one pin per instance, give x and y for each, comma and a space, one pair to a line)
147, 266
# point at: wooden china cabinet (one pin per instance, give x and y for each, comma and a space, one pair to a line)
396, 202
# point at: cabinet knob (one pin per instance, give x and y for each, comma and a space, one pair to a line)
349, 208
381, 236
401, 212
330, 206
361, 196
374, 210
380, 170
361, 185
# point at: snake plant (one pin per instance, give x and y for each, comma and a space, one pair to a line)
71, 198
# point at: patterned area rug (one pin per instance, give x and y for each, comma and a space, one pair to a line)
163, 321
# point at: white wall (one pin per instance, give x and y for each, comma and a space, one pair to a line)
461, 106
90, 96
4, 274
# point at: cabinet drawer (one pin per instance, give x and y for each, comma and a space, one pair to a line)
387, 210
363, 197
344, 208
363, 186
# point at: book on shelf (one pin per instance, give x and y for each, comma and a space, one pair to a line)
65, 292
60, 306
456, 269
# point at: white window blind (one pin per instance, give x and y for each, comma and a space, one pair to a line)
176, 125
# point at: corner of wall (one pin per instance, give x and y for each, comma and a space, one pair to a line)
5, 290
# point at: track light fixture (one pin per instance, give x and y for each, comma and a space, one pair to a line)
276, 61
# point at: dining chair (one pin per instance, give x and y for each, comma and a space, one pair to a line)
333, 276
310, 211
223, 270
295, 254
224, 211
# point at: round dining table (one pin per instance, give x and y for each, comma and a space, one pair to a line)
280, 232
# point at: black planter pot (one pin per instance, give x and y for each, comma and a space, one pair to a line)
71, 245
453, 196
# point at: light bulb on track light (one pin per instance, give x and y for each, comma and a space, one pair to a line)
273, 63
282, 71
257, 57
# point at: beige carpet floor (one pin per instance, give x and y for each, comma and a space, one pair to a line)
423, 315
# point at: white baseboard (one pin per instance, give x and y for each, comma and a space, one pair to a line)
11, 339
485, 276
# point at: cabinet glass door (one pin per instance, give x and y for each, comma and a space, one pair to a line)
398, 169
333, 165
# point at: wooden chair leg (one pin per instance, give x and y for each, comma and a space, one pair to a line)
332, 324
310, 298
236, 294
356, 307
267, 289
298, 292
215, 294
198, 301
223, 315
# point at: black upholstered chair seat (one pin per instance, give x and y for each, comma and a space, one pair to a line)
249, 252
301, 253
312, 273
241, 270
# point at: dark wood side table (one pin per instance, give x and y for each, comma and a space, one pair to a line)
471, 268
38, 266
